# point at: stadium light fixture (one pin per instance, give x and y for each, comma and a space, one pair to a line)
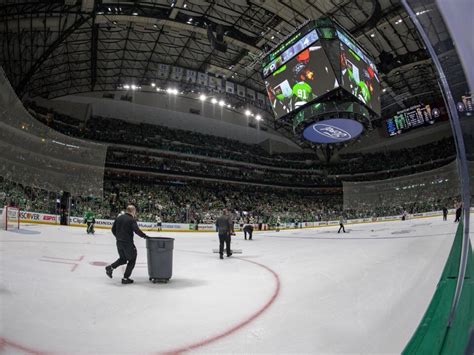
248, 113
133, 87
221, 103
258, 118
214, 101
202, 97
172, 91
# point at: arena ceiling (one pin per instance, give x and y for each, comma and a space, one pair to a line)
55, 48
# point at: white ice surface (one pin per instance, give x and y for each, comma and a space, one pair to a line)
361, 292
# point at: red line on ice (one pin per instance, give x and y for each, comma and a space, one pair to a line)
240, 325
4, 343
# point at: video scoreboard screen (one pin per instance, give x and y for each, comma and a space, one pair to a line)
307, 66
415, 116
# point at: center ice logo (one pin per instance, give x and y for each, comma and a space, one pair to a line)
331, 131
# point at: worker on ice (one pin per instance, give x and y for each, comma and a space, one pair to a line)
225, 228
341, 225
123, 228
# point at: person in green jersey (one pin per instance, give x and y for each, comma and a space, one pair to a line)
89, 218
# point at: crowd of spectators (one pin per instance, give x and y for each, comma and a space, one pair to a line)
200, 146
182, 191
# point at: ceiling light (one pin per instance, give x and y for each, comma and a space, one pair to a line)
155, 26
135, 14
153, 85
110, 9
114, 22
372, 35
221, 103
134, 87
247, 113
202, 97
273, 37
228, 106
185, 5
126, 87
213, 100
384, 90
258, 118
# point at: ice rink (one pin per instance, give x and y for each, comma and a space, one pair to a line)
294, 291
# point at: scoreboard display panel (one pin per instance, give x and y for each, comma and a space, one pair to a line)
296, 81
359, 74
413, 117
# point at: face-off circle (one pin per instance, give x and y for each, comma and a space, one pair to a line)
334, 130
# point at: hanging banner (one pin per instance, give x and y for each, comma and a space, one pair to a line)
219, 85
177, 73
191, 76
163, 71
251, 94
241, 90
202, 78
229, 87
212, 81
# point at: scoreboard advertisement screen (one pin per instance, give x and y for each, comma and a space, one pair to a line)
415, 116
300, 79
359, 74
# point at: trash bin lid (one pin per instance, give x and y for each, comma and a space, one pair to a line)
160, 238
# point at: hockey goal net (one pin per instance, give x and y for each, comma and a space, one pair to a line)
10, 218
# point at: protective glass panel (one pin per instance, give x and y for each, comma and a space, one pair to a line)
416, 193
33, 154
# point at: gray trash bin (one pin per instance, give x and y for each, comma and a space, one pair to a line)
160, 258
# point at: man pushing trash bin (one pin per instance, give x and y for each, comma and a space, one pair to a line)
225, 228
123, 228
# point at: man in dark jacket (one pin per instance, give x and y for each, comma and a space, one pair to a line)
458, 212
248, 229
445, 213
225, 228
123, 229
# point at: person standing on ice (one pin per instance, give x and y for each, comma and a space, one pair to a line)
123, 229
225, 228
341, 225
89, 218
458, 212
445, 213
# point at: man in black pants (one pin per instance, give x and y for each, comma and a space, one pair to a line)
248, 229
445, 213
341, 225
225, 228
458, 212
123, 229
